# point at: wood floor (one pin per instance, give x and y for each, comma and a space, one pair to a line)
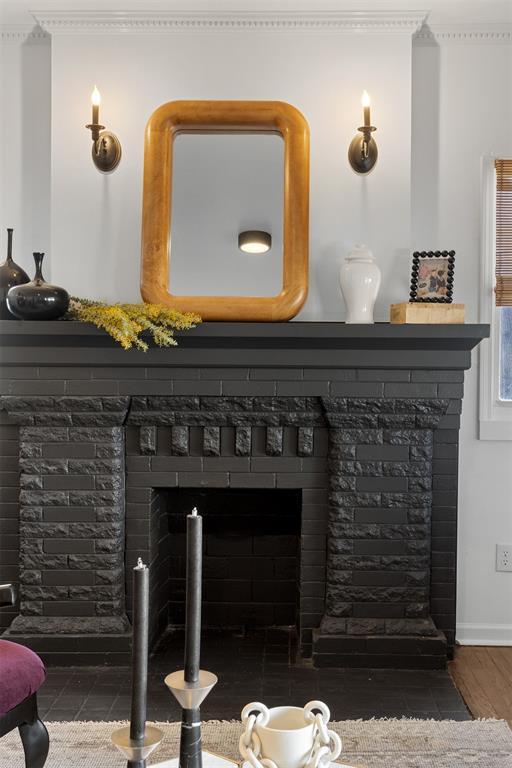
483, 675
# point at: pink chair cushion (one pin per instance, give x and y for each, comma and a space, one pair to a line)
21, 674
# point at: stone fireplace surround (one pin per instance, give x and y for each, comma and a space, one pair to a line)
362, 420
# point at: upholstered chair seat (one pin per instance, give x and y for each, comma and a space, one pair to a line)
21, 674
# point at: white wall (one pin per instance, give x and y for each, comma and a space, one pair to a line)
24, 146
321, 73
461, 110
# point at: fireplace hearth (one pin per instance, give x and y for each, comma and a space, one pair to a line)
328, 484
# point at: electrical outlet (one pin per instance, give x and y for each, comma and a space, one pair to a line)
504, 557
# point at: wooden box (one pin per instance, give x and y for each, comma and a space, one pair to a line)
416, 312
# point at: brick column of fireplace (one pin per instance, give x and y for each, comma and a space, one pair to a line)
72, 527
380, 544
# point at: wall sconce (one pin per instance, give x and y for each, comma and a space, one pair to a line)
363, 152
254, 241
106, 147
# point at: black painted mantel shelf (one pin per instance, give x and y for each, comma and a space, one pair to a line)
293, 344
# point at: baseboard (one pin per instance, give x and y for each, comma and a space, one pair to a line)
484, 634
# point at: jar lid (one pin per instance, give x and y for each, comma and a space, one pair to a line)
360, 252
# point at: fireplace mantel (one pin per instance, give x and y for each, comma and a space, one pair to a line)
295, 344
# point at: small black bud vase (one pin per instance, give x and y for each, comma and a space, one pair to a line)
10, 275
38, 300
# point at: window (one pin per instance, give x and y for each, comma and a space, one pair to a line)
503, 239
505, 388
496, 302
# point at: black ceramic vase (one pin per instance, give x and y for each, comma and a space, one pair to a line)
10, 275
38, 300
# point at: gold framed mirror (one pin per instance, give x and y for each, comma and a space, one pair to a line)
226, 117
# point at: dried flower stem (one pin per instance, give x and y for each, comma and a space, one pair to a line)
126, 322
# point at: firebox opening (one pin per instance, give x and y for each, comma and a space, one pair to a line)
251, 556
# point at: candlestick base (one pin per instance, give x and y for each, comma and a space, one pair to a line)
190, 695
133, 750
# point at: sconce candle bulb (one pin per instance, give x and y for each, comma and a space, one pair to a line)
106, 147
95, 99
365, 101
363, 152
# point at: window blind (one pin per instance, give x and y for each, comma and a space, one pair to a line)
503, 233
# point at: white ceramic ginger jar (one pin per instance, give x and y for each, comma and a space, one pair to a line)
360, 283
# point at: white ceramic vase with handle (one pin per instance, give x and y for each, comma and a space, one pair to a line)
360, 282
288, 737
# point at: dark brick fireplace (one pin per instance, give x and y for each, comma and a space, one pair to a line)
347, 437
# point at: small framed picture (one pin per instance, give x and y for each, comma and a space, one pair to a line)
432, 276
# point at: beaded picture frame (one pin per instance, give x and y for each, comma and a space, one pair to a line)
432, 277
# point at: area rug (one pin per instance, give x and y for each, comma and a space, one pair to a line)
366, 744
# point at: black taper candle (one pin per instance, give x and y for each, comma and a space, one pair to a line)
139, 655
193, 597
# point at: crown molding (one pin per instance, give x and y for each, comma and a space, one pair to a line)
490, 34
164, 22
21, 33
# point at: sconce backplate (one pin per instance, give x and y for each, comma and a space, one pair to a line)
106, 152
356, 156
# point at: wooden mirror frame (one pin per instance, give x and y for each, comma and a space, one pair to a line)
177, 117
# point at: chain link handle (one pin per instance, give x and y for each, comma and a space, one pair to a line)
250, 744
327, 744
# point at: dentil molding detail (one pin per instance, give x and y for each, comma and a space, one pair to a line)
349, 22
162, 22
21, 33
165, 22
463, 33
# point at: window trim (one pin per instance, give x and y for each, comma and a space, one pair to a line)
495, 417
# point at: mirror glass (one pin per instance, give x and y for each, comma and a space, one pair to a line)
222, 185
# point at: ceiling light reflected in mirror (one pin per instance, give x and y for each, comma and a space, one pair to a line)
254, 241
